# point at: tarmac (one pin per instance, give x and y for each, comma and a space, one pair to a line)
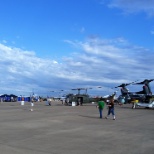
59, 129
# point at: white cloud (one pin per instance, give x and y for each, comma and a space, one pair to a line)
24, 67
55, 62
96, 62
113, 61
133, 6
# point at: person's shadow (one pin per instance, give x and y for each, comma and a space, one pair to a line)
86, 116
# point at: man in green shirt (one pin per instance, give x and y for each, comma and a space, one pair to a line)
100, 106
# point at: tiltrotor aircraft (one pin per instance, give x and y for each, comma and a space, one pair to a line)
125, 96
147, 99
144, 97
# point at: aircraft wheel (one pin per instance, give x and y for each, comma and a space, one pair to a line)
134, 106
147, 107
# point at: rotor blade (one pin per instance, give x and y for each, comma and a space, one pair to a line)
126, 84
131, 83
120, 85
146, 80
99, 87
79, 89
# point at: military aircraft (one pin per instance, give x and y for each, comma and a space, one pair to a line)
147, 99
125, 96
146, 87
144, 98
85, 98
79, 98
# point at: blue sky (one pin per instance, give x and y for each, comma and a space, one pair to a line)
58, 45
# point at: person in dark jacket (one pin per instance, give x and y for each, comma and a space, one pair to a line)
111, 109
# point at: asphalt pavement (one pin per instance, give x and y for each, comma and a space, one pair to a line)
59, 129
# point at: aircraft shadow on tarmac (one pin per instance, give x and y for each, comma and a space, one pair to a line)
130, 108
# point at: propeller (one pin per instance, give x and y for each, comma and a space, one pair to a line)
145, 81
126, 84
78, 89
81, 89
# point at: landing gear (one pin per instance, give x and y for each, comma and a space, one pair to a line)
134, 106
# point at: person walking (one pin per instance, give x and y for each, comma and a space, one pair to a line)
100, 106
111, 109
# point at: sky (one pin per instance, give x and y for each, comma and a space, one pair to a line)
59, 45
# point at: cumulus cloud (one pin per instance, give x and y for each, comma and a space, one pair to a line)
112, 61
24, 70
133, 6
97, 62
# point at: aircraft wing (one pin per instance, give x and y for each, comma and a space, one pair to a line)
140, 92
